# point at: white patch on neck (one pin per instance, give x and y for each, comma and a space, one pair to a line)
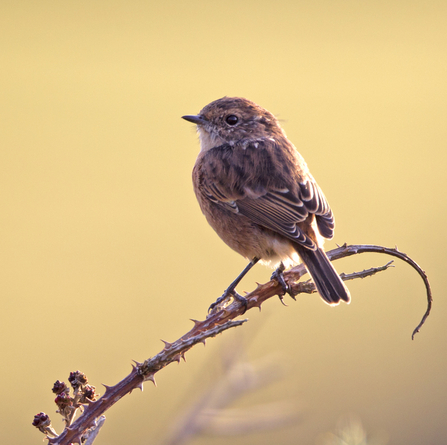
208, 140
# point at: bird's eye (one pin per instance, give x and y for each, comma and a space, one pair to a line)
231, 119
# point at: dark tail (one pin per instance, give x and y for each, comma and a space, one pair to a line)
326, 279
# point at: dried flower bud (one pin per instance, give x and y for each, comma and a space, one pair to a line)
89, 394
60, 387
62, 401
43, 423
41, 420
77, 379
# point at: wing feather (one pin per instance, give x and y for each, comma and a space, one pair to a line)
241, 180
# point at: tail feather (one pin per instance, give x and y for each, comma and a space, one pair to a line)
326, 279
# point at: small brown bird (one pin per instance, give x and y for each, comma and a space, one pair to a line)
257, 193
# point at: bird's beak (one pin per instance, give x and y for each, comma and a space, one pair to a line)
199, 120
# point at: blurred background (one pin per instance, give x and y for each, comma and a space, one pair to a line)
104, 249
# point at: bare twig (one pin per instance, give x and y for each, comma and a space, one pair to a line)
345, 250
219, 320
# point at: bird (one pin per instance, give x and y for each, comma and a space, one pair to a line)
257, 193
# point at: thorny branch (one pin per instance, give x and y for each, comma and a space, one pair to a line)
345, 251
219, 320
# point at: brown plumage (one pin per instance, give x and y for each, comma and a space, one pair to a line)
257, 193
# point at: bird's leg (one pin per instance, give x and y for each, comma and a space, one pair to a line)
231, 288
279, 277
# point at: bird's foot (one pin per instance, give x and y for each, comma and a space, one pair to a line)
278, 275
227, 294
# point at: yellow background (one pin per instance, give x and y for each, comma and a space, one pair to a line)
103, 249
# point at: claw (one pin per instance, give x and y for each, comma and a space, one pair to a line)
281, 299
279, 277
241, 300
230, 293
218, 301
